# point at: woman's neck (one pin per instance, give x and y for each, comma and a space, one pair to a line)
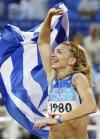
63, 73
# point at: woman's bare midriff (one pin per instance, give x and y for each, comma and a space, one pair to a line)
74, 129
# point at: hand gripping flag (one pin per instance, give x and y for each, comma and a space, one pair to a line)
23, 82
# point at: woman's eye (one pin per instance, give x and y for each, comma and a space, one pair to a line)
60, 52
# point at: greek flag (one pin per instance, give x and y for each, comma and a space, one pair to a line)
23, 82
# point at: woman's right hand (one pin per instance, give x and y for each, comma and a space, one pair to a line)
54, 11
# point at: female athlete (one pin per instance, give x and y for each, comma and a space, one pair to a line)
70, 98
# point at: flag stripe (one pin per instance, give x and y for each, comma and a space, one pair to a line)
17, 80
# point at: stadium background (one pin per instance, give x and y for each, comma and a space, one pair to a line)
84, 18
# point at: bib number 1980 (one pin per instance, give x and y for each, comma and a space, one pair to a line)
59, 107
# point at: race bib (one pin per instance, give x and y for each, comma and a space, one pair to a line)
55, 108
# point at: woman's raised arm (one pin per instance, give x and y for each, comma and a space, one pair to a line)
44, 41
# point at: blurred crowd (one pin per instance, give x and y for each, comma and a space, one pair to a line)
23, 9
88, 8
37, 9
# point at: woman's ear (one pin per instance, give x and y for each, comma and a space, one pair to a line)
72, 61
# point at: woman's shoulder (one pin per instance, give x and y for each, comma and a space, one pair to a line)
79, 77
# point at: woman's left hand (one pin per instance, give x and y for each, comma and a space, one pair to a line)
44, 122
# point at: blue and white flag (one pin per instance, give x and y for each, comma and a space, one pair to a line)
23, 82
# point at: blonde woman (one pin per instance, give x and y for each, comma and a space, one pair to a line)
70, 99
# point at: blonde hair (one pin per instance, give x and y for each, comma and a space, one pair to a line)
82, 64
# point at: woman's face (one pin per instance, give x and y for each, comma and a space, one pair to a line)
61, 57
